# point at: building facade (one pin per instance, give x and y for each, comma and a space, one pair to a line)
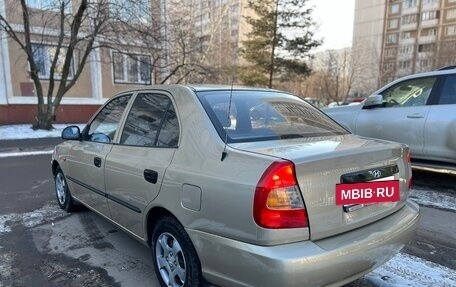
107, 71
214, 29
402, 37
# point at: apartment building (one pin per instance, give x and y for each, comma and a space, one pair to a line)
109, 69
402, 37
220, 27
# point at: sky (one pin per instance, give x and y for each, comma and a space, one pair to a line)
335, 20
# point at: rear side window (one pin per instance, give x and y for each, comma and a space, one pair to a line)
243, 116
151, 122
448, 95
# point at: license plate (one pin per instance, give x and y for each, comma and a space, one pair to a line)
367, 192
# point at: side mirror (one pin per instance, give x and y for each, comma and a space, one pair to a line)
71, 133
373, 101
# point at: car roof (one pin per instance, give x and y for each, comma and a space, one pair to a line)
442, 71
200, 88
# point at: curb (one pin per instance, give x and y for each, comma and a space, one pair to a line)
24, 153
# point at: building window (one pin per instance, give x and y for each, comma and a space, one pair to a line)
428, 32
429, 15
394, 8
43, 55
393, 23
424, 48
391, 38
451, 14
404, 64
409, 19
389, 67
450, 30
131, 68
54, 5
424, 63
408, 49
406, 35
409, 4
391, 52
130, 11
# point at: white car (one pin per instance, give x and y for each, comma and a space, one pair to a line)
418, 110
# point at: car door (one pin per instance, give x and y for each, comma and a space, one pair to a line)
87, 157
440, 127
136, 166
402, 116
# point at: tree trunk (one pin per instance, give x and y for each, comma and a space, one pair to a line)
44, 118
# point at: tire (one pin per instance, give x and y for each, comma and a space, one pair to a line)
175, 260
64, 198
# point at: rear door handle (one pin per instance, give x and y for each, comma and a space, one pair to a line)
151, 176
415, 116
97, 161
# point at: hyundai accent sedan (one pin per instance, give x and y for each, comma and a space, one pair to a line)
239, 186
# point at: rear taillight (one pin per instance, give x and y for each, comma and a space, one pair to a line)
278, 202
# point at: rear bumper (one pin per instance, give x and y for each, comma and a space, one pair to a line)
332, 261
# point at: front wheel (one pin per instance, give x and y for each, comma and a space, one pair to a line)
64, 198
175, 260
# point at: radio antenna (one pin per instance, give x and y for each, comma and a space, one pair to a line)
224, 153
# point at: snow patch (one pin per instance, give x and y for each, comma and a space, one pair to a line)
433, 199
406, 270
47, 213
6, 261
12, 132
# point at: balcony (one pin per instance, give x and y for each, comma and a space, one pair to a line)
407, 41
429, 23
427, 39
432, 6
409, 26
411, 10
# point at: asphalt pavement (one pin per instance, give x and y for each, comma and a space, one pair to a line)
28, 145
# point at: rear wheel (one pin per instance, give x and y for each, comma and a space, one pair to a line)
64, 198
175, 260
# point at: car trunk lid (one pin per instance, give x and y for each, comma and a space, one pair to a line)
322, 163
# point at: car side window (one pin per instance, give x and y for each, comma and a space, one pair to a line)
448, 95
408, 93
152, 121
104, 126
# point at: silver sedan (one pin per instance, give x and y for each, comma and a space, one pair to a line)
418, 110
239, 186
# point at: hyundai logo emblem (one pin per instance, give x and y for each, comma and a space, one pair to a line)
376, 173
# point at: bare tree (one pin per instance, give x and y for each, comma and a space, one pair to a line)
161, 29
333, 76
72, 28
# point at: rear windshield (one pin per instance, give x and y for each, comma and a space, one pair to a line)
245, 116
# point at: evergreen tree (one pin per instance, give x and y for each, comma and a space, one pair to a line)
279, 43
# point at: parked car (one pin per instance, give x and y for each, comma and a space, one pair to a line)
237, 199
418, 110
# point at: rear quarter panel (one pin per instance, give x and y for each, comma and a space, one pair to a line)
221, 192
